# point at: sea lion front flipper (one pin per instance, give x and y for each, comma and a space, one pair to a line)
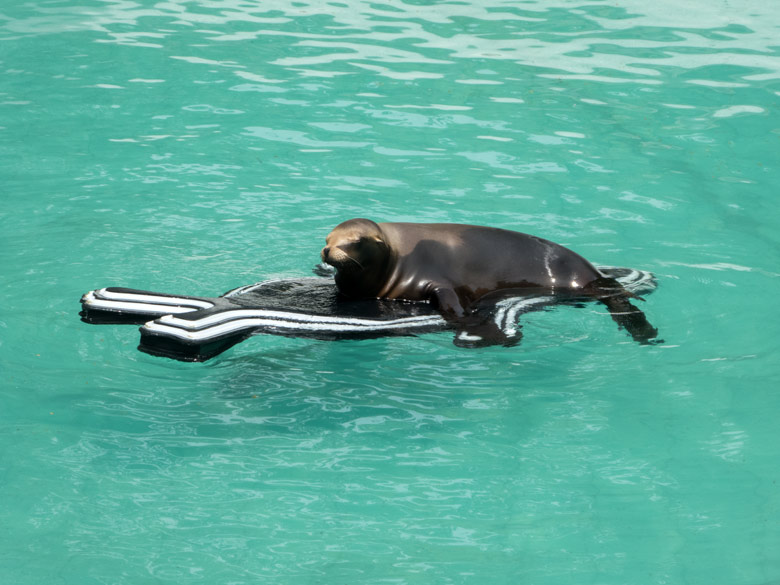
448, 303
480, 330
473, 328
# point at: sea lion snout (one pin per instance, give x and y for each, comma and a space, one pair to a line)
336, 256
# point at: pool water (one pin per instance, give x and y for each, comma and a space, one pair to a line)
192, 147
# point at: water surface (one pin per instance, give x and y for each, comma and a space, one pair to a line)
192, 147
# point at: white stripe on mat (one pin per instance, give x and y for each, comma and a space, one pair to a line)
321, 321
311, 324
152, 298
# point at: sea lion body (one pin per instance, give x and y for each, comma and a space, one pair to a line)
473, 261
454, 266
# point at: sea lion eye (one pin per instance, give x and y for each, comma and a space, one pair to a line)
349, 244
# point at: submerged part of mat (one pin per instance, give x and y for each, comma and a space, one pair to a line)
189, 328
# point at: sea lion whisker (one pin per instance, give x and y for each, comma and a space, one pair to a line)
356, 262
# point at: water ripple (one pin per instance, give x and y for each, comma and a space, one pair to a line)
194, 146
633, 43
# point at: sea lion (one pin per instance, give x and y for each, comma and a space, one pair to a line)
456, 267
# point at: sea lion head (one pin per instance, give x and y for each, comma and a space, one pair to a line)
358, 251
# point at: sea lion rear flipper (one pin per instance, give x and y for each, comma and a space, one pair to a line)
634, 321
610, 292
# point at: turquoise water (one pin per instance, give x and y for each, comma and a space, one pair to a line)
192, 147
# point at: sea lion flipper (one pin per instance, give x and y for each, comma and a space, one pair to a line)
448, 302
474, 327
610, 292
634, 321
479, 330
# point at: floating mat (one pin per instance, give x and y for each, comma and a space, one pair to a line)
192, 328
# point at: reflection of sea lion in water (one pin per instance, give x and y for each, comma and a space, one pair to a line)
454, 266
